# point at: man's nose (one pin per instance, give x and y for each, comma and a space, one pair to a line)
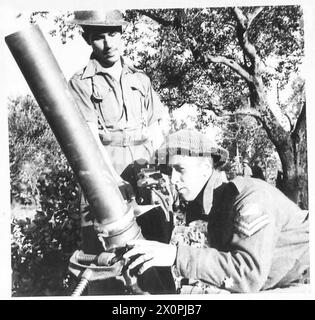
107, 40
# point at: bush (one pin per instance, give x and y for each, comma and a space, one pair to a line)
42, 180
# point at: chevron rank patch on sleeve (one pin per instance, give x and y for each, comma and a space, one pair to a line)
250, 219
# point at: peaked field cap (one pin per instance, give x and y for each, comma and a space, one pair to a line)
193, 143
99, 18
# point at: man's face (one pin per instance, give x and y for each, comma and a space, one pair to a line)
107, 44
189, 174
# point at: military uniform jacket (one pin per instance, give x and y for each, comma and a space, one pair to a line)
259, 239
123, 110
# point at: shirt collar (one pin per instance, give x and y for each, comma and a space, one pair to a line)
216, 180
94, 67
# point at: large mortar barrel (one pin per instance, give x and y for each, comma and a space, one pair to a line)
45, 79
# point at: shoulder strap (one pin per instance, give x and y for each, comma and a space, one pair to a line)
97, 106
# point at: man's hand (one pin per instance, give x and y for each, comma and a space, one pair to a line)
161, 191
146, 254
126, 190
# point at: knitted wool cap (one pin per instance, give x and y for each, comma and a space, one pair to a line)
193, 143
109, 18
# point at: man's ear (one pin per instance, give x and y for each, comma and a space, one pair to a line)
208, 166
205, 165
209, 162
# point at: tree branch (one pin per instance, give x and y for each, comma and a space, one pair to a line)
216, 111
230, 63
241, 19
243, 24
253, 16
243, 112
249, 112
301, 118
156, 18
289, 120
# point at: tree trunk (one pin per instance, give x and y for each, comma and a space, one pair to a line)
289, 181
293, 155
299, 145
291, 147
295, 181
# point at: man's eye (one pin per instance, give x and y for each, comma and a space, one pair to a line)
179, 169
101, 37
97, 38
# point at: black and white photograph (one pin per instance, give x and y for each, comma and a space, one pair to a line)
159, 149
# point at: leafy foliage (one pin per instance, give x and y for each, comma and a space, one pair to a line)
41, 180
62, 29
277, 33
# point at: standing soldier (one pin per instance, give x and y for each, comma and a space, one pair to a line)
117, 100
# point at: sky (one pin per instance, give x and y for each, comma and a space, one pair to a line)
74, 55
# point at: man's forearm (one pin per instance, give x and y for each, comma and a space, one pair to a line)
235, 272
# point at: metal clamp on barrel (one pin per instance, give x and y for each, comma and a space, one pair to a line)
116, 234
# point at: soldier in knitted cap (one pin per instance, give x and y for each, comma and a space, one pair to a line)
258, 238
